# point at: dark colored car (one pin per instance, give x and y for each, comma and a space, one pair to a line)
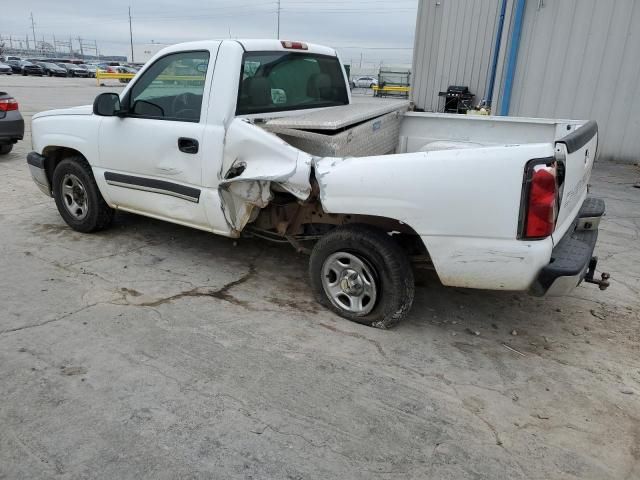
11, 123
92, 69
25, 67
123, 69
74, 70
52, 69
15, 65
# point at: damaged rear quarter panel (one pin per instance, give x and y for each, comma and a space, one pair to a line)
464, 204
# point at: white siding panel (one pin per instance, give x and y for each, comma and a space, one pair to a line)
577, 59
453, 46
581, 59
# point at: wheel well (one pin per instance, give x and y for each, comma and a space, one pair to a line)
55, 155
285, 219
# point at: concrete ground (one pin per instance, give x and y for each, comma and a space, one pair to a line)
152, 351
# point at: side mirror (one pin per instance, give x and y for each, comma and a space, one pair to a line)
107, 105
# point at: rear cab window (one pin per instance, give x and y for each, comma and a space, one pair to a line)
281, 81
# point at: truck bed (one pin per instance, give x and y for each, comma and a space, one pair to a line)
382, 127
423, 132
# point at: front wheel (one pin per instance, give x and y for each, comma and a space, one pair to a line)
4, 149
363, 275
78, 198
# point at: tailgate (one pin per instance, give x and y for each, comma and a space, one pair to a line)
577, 152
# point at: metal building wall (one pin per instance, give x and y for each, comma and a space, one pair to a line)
453, 45
581, 59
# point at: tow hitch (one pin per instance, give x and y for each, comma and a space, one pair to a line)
603, 283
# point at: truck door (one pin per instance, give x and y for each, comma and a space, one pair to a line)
152, 156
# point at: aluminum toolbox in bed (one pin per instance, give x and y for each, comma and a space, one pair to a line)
357, 130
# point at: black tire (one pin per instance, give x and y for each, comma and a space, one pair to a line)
49, 73
387, 261
98, 215
4, 149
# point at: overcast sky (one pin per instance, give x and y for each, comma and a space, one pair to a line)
380, 30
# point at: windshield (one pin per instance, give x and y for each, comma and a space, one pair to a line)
277, 81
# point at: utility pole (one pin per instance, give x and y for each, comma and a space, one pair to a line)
278, 32
81, 51
33, 30
131, 35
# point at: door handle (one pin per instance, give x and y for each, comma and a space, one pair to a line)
188, 145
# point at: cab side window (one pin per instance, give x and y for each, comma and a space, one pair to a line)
171, 89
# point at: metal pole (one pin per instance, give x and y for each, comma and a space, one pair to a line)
496, 54
512, 57
33, 30
278, 33
131, 36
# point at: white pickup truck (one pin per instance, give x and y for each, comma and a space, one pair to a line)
488, 202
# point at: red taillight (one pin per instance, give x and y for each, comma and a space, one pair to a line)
8, 104
294, 45
542, 201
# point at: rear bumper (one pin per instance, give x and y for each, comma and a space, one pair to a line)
572, 257
38, 171
11, 127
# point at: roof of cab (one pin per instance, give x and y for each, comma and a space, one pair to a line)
253, 45
250, 45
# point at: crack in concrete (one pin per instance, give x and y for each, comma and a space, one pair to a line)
46, 322
221, 293
356, 335
57, 468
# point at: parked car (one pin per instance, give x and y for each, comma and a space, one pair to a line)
364, 82
124, 69
5, 69
28, 68
495, 203
92, 69
52, 70
74, 70
11, 123
24, 67
6, 58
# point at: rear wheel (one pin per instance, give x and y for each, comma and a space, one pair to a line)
4, 149
363, 275
78, 198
